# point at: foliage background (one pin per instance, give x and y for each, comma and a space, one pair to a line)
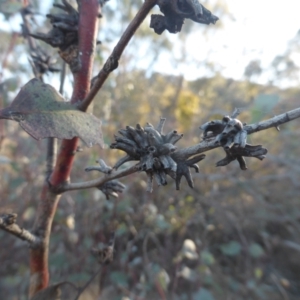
234, 236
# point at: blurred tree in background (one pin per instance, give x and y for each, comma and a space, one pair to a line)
234, 236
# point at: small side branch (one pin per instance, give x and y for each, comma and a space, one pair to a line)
274, 122
52, 142
81, 290
99, 181
112, 62
51, 155
210, 144
8, 223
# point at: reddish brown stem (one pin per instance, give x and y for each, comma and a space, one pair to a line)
39, 274
87, 43
88, 26
112, 61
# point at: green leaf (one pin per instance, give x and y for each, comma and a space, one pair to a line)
42, 112
203, 294
232, 248
256, 250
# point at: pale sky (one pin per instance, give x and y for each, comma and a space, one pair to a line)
259, 29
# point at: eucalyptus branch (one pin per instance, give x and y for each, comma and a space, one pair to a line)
181, 155
274, 122
99, 181
8, 223
71, 45
112, 61
207, 145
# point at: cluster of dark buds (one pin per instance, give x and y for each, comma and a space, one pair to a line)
231, 135
109, 188
65, 27
156, 153
64, 33
41, 62
175, 11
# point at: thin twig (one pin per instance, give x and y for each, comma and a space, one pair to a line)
8, 223
62, 77
291, 245
31, 41
153, 237
145, 254
157, 284
99, 181
279, 286
52, 142
51, 155
112, 61
81, 290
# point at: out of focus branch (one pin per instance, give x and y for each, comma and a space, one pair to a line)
8, 223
